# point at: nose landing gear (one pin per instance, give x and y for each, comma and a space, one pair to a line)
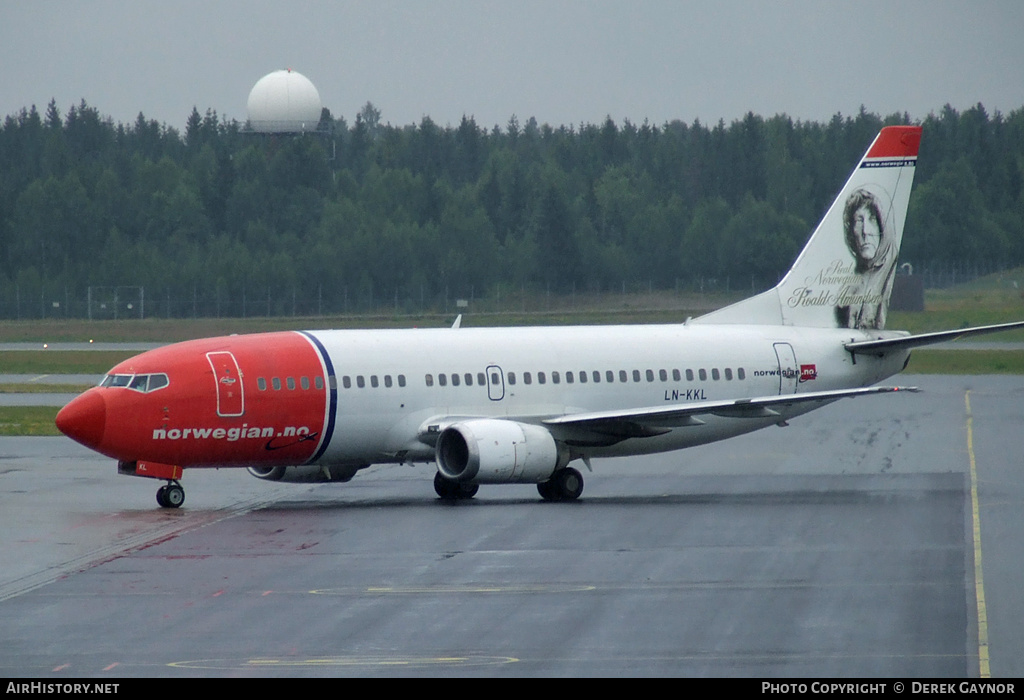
170, 495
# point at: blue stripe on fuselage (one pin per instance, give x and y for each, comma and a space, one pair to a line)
332, 384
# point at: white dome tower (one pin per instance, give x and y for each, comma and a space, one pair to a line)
284, 101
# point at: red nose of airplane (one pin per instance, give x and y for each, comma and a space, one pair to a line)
84, 419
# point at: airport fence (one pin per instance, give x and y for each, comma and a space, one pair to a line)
126, 302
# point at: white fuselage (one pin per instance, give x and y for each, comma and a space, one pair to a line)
531, 374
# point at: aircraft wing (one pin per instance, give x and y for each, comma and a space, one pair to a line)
915, 341
648, 422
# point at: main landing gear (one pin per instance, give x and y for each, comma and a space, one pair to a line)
170, 495
453, 490
564, 485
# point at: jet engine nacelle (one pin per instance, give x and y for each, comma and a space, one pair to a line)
493, 451
307, 474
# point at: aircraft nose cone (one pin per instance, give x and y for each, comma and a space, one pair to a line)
84, 419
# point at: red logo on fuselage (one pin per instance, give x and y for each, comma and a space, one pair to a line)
808, 372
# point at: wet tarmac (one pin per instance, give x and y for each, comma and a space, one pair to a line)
840, 546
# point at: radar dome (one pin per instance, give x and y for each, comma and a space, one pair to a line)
284, 101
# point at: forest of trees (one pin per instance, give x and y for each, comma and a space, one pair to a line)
216, 220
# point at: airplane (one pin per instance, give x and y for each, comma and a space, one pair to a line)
520, 405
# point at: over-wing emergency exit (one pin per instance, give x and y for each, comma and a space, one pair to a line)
521, 405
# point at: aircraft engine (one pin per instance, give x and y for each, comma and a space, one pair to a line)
493, 451
307, 474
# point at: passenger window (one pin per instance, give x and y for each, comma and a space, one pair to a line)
583, 377
741, 374
290, 383
455, 379
689, 375
360, 381
703, 374
442, 379
636, 375
346, 382
276, 383
429, 379
715, 374
469, 379
622, 376
650, 375
511, 378
318, 382
569, 377
527, 378
556, 378
597, 376
728, 374
387, 381
541, 378
609, 376
374, 382
304, 383
481, 379
675, 375
401, 380
662, 375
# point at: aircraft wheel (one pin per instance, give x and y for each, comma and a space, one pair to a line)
161, 496
547, 490
445, 488
453, 490
568, 483
173, 496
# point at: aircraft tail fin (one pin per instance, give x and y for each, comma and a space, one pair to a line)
844, 276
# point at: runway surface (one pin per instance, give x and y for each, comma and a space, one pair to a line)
842, 545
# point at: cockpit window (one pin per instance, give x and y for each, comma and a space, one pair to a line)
143, 383
116, 380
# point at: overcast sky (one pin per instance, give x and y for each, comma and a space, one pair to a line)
561, 61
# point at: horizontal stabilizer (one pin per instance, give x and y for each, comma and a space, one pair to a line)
907, 342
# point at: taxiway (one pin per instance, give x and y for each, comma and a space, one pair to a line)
840, 546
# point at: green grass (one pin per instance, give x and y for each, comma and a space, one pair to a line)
966, 362
61, 361
28, 420
653, 308
23, 388
987, 300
